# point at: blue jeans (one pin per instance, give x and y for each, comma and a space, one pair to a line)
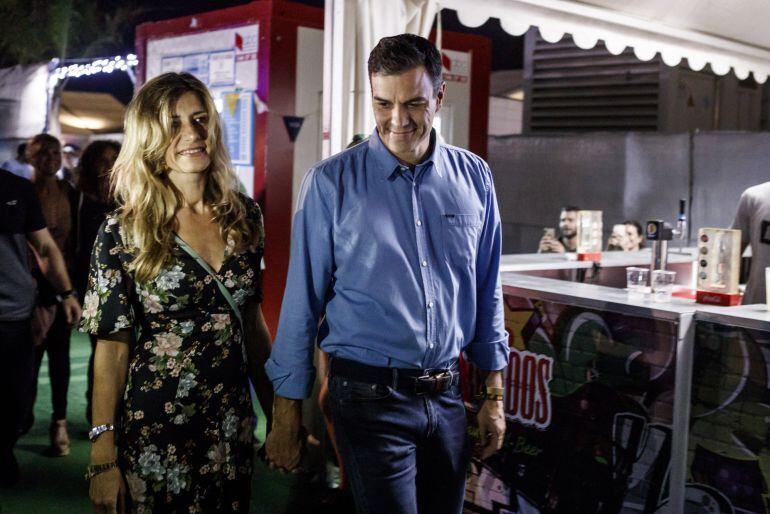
403, 453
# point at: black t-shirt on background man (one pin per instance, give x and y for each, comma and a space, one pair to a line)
20, 214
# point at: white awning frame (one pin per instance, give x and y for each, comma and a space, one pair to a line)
589, 24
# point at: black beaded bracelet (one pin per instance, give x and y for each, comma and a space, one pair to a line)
97, 469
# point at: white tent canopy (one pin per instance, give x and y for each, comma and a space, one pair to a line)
726, 34
23, 95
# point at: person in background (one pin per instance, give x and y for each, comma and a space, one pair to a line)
19, 166
51, 332
626, 236
70, 159
394, 271
21, 224
634, 235
618, 240
94, 202
174, 300
567, 240
752, 218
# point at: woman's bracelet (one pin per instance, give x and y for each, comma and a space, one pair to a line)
96, 469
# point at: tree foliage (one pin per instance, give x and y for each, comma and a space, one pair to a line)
40, 30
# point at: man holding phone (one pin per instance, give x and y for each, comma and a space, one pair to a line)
567, 241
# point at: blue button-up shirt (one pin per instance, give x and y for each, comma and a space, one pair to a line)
400, 267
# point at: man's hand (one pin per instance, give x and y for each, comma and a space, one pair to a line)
491, 420
71, 309
550, 245
284, 444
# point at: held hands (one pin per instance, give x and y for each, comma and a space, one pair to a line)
108, 492
284, 450
284, 446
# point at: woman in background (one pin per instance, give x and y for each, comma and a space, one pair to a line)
94, 202
50, 330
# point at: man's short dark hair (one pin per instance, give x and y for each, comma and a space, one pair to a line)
570, 208
397, 54
21, 149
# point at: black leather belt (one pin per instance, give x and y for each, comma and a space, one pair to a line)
417, 381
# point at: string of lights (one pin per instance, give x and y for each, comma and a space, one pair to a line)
102, 65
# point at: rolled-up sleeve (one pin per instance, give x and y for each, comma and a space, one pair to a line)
290, 366
489, 348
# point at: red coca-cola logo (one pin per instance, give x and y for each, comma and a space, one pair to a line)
527, 393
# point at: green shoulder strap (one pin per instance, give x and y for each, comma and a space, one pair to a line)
222, 288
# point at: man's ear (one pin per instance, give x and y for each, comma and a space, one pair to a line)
440, 96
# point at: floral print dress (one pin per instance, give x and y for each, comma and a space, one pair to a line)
186, 427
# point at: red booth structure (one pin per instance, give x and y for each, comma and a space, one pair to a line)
263, 62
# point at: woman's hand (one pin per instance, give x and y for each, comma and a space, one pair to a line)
108, 492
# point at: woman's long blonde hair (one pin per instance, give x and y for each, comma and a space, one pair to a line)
147, 199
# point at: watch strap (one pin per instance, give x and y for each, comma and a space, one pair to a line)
493, 393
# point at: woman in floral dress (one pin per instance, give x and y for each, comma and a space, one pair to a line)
173, 299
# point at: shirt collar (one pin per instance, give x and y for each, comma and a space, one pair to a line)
387, 164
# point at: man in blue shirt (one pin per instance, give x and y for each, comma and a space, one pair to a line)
395, 251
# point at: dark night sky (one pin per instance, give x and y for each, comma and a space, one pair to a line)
507, 50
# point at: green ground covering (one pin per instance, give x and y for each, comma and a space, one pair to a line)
56, 485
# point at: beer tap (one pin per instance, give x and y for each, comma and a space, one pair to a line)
659, 233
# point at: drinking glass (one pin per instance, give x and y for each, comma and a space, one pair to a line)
662, 285
636, 282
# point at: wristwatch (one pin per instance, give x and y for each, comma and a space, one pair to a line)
99, 430
60, 297
493, 393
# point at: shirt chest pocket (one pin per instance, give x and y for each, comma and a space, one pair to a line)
461, 234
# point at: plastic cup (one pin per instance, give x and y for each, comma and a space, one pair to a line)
636, 282
662, 285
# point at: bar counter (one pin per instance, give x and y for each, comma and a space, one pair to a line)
619, 404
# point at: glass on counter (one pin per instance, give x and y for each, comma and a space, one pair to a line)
636, 282
662, 285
